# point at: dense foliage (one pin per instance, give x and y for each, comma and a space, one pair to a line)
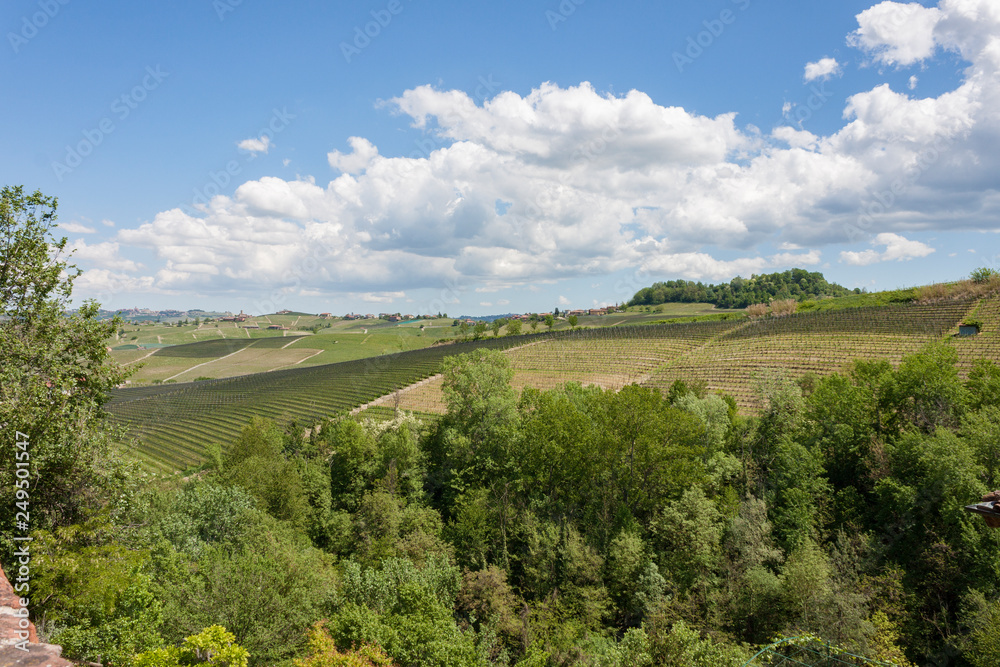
573, 526
797, 284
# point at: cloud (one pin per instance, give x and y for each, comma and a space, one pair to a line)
893, 33
361, 155
563, 301
106, 285
599, 183
823, 69
897, 248
74, 227
383, 297
912, 84
261, 145
105, 255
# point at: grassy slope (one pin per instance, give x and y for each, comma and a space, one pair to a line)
340, 341
176, 421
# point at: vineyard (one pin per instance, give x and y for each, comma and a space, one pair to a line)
175, 423
725, 355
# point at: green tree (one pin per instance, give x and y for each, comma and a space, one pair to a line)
56, 373
267, 586
982, 430
928, 391
549, 321
514, 327
212, 646
573, 320
687, 534
256, 462
95, 594
482, 418
683, 646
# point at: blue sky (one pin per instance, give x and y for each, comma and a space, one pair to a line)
481, 158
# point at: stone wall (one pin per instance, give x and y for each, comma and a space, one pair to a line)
19, 646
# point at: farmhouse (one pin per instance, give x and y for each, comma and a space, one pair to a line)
235, 318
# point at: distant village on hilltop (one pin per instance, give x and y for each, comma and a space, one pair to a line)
140, 315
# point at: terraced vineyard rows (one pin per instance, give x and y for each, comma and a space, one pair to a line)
174, 423
610, 357
987, 344
820, 343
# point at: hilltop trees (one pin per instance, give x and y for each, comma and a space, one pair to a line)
794, 284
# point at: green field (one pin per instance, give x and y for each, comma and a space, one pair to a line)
229, 351
214, 350
175, 422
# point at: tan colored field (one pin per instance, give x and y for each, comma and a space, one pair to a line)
248, 360
552, 363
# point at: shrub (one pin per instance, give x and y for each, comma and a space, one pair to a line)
982, 275
323, 652
783, 307
755, 311
213, 646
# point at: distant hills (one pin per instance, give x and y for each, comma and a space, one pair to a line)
795, 284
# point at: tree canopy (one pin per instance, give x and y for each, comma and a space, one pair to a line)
795, 284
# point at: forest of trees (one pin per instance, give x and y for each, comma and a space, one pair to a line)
573, 526
562, 527
795, 284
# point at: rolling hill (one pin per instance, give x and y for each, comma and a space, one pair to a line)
175, 422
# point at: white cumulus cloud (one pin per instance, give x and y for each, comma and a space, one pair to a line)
823, 69
255, 145
894, 33
595, 183
897, 248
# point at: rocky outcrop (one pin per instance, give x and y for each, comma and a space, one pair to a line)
19, 646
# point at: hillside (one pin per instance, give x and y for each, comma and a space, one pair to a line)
176, 422
212, 350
